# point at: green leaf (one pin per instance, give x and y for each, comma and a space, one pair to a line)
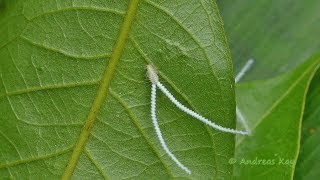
75, 101
279, 35
274, 110
308, 162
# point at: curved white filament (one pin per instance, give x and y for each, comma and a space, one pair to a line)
158, 131
153, 77
245, 68
242, 120
196, 115
242, 72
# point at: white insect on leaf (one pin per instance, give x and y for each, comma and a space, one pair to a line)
152, 74
153, 77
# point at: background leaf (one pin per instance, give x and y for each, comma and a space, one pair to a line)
274, 110
308, 161
53, 56
279, 35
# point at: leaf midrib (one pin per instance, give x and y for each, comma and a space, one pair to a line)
103, 89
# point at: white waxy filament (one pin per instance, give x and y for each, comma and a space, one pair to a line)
153, 76
158, 131
241, 73
196, 115
243, 70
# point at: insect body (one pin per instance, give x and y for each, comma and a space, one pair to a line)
153, 77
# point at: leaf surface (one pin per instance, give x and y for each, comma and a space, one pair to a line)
274, 110
74, 97
308, 162
279, 36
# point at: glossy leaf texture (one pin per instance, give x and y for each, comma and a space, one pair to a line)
279, 36
59, 57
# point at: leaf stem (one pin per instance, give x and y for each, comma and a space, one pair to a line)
103, 89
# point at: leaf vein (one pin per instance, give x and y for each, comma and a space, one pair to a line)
77, 9
103, 89
100, 170
118, 152
25, 161
98, 57
49, 87
135, 122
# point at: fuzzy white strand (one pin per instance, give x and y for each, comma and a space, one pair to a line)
242, 72
196, 115
244, 69
158, 131
242, 120
153, 76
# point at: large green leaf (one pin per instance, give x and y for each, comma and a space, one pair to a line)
274, 110
279, 35
74, 98
308, 162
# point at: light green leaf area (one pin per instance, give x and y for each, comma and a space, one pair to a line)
75, 100
308, 164
274, 110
